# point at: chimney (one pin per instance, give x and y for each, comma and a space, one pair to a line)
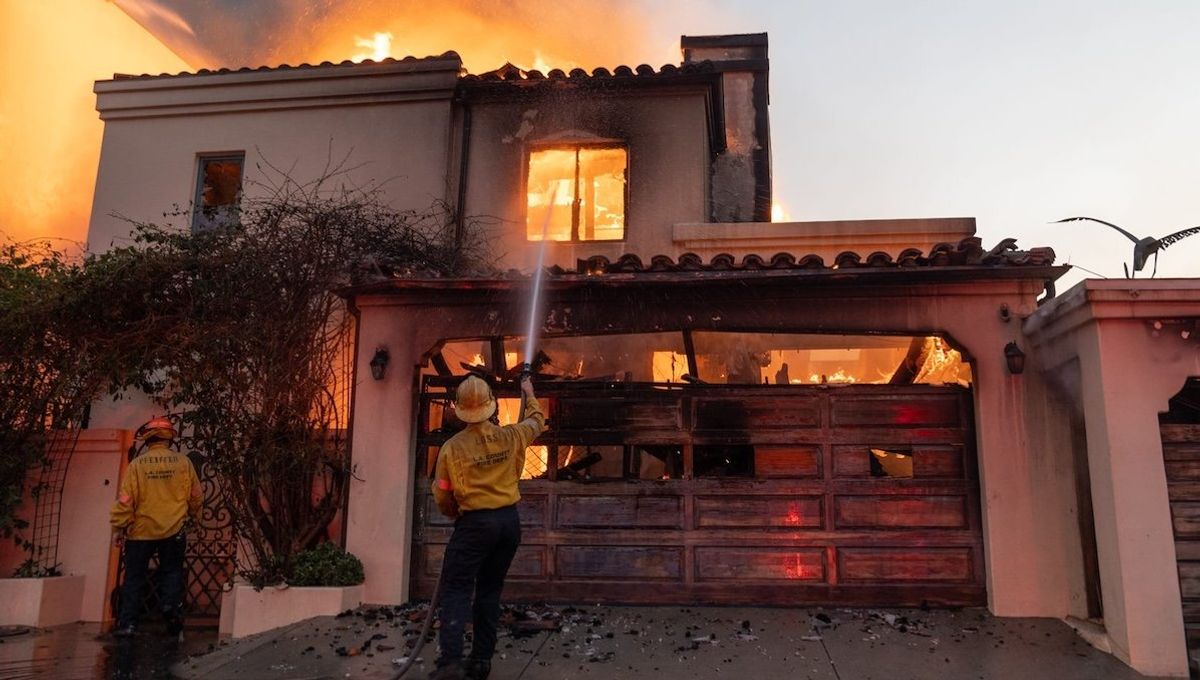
740, 175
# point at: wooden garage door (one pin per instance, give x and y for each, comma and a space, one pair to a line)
750, 495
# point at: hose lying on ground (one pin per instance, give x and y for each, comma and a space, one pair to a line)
412, 655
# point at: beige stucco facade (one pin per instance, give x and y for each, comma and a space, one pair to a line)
384, 125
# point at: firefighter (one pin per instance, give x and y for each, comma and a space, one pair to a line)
159, 491
475, 484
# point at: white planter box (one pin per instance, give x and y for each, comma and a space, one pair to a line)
245, 611
41, 602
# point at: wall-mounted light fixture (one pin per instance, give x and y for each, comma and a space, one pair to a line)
379, 363
1015, 358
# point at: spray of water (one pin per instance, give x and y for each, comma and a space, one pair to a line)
535, 299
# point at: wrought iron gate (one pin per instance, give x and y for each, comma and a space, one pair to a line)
211, 558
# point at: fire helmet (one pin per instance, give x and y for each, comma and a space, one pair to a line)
474, 403
158, 427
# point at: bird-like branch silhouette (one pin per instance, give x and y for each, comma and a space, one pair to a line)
1143, 248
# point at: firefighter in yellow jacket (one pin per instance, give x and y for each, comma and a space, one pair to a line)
476, 485
160, 489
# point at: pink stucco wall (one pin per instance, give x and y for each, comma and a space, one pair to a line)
1127, 372
84, 536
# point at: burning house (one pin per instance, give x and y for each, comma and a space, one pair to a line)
885, 412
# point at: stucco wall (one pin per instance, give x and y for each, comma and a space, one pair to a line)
84, 534
1128, 370
388, 127
667, 138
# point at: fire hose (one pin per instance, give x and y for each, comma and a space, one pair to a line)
425, 628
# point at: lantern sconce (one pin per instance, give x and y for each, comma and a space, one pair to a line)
379, 363
1015, 358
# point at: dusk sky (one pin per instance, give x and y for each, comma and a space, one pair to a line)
1016, 113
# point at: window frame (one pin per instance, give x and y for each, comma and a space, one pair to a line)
202, 160
575, 213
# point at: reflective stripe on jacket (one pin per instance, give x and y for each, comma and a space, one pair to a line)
478, 468
159, 490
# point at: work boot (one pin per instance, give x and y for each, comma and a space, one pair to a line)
452, 670
478, 669
174, 623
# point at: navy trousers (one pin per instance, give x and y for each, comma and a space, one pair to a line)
477, 560
170, 553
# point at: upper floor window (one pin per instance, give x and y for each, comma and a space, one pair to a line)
577, 193
218, 191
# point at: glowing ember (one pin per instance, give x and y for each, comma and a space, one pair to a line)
380, 45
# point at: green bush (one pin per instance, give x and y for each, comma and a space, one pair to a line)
326, 565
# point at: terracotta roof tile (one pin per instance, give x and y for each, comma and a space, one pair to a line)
968, 252
290, 67
514, 74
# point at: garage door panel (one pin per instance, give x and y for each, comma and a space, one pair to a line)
618, 562
785, 512
898, 565
1189, 580
529, 562
742, 563
928, 461
1185, 517
783, 413
898, 411
532, 510
618, 414
886, 512
780, 461
910, 436
620, 512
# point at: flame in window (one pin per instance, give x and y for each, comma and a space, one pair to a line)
576, 194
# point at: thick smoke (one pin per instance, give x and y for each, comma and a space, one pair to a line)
562, 33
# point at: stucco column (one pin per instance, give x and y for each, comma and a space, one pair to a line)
379, 519
1023, 571
1123, 389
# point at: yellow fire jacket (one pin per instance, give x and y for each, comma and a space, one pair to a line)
478, 468
159, 489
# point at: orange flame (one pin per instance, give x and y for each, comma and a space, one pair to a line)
380, 45
49, 131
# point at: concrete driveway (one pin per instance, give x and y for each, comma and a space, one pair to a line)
690, 642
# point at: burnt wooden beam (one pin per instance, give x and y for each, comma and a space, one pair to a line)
498, 365
689, 349
440, 365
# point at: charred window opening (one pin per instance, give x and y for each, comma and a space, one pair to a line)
723, 460
218, 191
810, 359
680, 405
577, 194
891, 463
637, 357
588, 462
